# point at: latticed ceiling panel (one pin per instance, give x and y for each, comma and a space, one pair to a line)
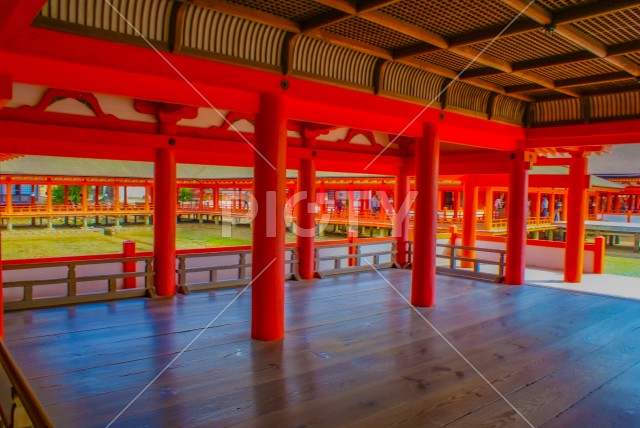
451, 17
581, 69
619, 27
557, 5
505, 79
449, 60
371, 33
298, 10
528, 46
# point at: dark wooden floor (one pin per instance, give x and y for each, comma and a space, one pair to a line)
354, 354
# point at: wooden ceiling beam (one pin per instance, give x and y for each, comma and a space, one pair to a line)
409, 51
347, 42
411, 30
481, 72
624, 48
592, 10
176, 26
543, 17
369, 5
522, 88
533, 11
590, 80
342, 5
581, 39
484, 59
491, 33
551, 61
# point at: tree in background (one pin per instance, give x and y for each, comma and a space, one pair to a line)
74, 194
185, 195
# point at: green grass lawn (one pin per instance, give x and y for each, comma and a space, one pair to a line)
23, 245
19, 245
621, 265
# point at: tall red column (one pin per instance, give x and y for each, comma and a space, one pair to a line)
517, 221
423, 281
576, 216
401, 220
267, 312
456, 203
306, 219
488, 208
164, 222
469, 223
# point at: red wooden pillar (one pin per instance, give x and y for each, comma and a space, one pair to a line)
456, 203
164, 222
267, 312
536, 205
83, 197
65, 198
9, 196
423, 281
577, 214
517, 221
563, 209
147, 198
488, 208
401, 220
469, 224
306, 219
96, 195
352, 213
49, 198
609, 201
116, 198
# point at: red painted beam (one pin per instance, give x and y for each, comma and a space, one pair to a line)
80, 63
542, 161
15, 18
597, 134
474, 168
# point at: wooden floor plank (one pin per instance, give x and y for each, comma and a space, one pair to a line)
354, 353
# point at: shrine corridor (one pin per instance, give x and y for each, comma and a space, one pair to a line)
353, 353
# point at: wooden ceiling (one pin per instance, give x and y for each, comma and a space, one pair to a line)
538, 52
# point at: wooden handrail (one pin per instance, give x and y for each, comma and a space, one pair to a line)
35, 411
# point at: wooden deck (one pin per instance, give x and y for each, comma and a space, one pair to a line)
354, 353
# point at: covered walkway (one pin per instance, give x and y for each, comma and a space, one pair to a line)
353, 353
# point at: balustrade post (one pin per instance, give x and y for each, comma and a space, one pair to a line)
71, 280
129, 250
